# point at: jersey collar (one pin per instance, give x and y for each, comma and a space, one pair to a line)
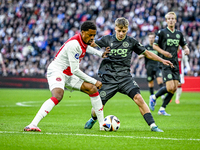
118, 39
81, 41
171, 30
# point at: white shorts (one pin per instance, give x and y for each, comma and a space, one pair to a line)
182, 81
57, 79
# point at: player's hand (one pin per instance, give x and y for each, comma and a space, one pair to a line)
106, 52
98, 85
167, 54
186, 51
167, 62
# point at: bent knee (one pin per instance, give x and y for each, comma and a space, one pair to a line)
138, 99
89, 88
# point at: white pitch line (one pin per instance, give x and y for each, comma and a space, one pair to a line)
96, 135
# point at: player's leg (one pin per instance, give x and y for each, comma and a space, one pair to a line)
144, 109
179, 89
56, 85
151, 87
150, 79
160, 92
129, 87
178, 93
171, 88
92, 91
160, 84
105, 95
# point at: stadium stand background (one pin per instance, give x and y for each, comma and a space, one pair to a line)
31, 32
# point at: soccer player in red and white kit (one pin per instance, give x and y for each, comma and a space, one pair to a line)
64, 71
183, 62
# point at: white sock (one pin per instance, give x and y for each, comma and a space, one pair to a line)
44, 110
153, 125
178, 93
162, 108
154, 97
98, 108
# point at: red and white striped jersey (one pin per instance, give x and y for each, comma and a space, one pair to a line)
70, 55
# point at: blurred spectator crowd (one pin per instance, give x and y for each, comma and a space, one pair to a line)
31, 32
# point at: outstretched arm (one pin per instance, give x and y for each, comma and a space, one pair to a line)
165, 53
153, 56
94, 51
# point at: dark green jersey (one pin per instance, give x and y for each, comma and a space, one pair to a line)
170, 41
150, 62
119, 59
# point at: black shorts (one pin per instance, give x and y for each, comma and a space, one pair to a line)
111, 86
170, 74
153, 72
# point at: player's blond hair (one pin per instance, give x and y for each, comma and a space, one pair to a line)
121, 22
171, 12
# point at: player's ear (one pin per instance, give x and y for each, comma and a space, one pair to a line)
82, 32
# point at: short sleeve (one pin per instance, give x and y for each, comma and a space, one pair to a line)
102, 42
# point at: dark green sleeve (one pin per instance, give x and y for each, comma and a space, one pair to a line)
102, 42
182, 41
139, 48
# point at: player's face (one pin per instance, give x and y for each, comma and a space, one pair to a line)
121, 32
88, 36
151, 39
171, 20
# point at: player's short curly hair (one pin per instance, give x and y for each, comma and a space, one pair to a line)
121, 22
88, 25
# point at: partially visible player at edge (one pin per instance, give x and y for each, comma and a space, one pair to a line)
183, 62
64, 71
115, 74
152, 66
167, 43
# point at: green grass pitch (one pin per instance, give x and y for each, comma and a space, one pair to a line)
63, 127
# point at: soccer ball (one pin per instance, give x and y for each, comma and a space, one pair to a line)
111, 123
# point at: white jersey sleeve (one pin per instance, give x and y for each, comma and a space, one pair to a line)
94, 51
74, 52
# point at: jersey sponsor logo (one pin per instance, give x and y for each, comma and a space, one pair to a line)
77, 56
171, 42
122, 52
102, 93
125, 44
58, 79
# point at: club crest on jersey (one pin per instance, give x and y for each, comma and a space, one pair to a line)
58, 79
177, 36
125, 44
77, 56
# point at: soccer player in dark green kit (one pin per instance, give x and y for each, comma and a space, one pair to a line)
152, 66
167, 43
115, 70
